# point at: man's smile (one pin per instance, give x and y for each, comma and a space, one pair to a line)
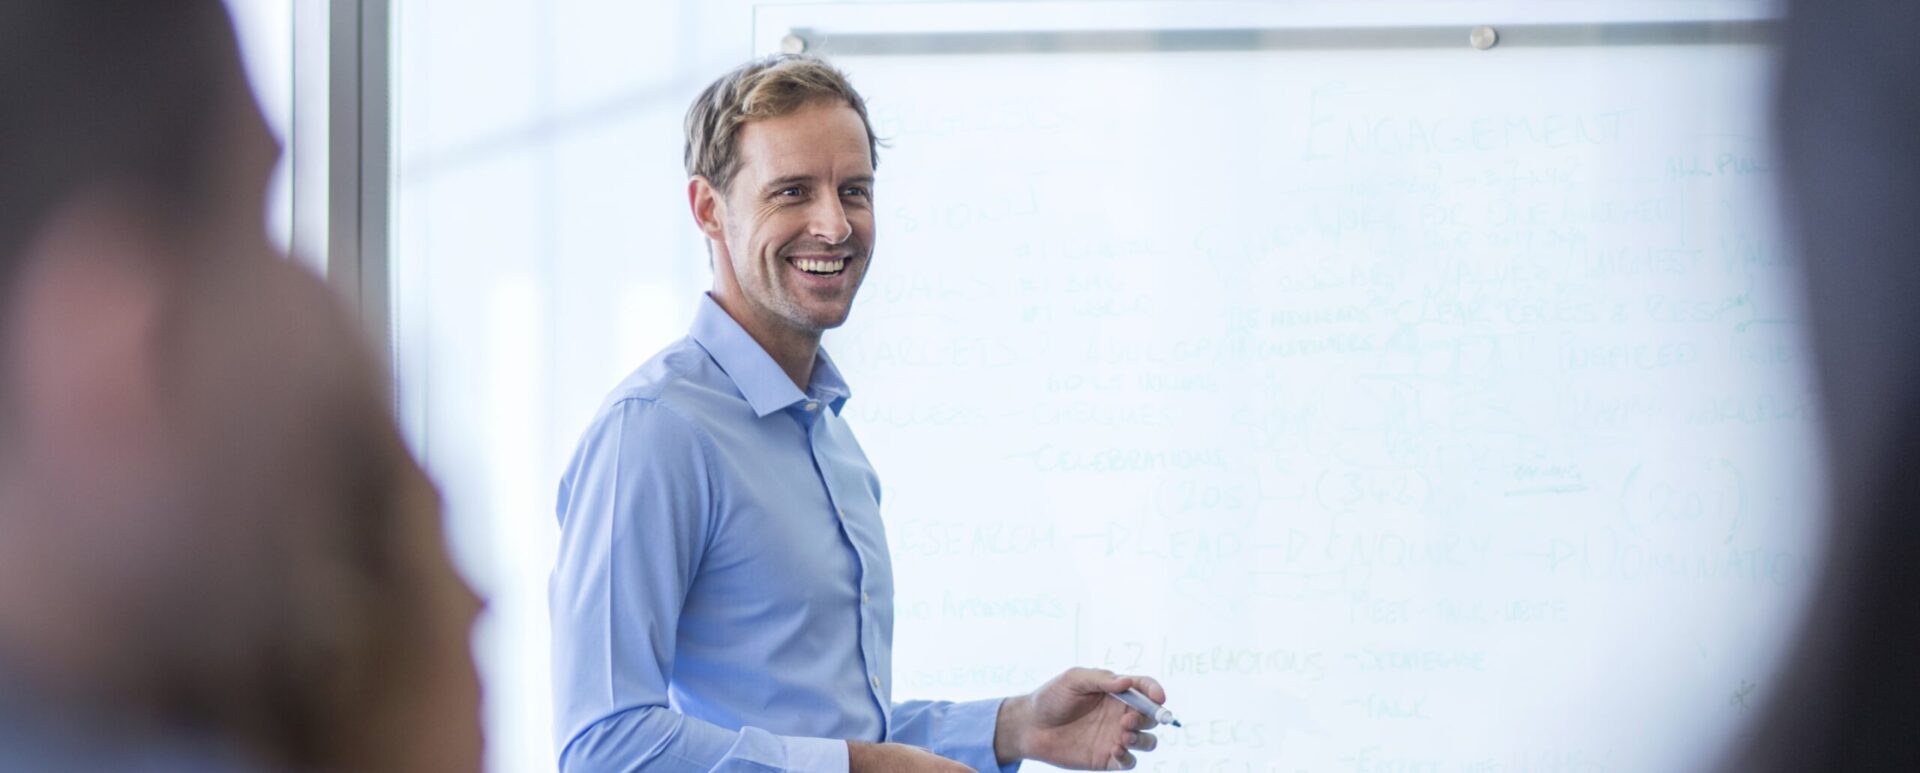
820, 265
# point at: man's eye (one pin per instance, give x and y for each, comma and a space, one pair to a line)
855, 190
791, 192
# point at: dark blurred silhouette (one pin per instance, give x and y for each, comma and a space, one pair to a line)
215, 550
1848, 118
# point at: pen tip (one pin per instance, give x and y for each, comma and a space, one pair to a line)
1176, 723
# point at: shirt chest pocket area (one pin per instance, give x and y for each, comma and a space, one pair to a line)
788, 554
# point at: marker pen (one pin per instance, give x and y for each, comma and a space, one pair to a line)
1145, 705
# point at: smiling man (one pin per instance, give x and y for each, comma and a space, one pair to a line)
723, 597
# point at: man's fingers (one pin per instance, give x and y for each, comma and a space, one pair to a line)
1087, 677
1151, 687
1144, 742
1134, 720
1085, 680
1122, 761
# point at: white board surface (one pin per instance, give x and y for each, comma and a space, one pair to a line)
1401, 410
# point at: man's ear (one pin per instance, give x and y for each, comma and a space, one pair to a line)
709, 207
85, 349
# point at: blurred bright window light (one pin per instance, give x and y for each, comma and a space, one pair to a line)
265, 28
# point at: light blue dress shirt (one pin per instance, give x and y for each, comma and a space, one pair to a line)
723, 596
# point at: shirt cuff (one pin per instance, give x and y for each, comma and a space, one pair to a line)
815, 755
968, 735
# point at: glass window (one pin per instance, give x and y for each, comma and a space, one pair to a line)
541, 251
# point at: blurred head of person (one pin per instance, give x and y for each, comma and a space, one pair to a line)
1846, 104
209, 524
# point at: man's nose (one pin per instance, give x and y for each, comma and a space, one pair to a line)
829, 221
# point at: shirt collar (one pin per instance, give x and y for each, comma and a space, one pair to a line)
760, 379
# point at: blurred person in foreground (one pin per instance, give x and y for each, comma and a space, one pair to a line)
215, 551
1848, 125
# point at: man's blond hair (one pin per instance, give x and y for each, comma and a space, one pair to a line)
777, 85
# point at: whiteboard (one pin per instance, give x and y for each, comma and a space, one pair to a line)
1422, 409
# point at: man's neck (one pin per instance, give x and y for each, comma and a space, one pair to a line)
793, 350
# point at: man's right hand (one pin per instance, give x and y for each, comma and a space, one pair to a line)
863, 757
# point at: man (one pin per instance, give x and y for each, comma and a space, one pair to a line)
215, 551
723, 597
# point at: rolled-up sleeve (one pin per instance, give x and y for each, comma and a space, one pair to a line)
636, 510
962, 732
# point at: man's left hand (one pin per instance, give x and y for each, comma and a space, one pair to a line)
1074, 722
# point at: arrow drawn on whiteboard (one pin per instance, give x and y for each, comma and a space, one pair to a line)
1739, 499
1625, 506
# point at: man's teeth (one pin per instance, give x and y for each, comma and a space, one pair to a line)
821, 266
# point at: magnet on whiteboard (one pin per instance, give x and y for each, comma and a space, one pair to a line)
1483, 37
794, 44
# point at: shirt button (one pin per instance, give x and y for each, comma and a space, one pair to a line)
839, 512
866, 598
875, 680
813, 405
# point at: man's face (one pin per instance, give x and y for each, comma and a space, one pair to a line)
797, 223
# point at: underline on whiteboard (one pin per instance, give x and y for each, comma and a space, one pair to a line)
1298, 595
1295, 573
1749, 323
1564, 488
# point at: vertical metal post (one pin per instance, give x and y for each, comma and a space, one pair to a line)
360, 163
309, 133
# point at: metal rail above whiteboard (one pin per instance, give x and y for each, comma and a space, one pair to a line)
1664, 33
